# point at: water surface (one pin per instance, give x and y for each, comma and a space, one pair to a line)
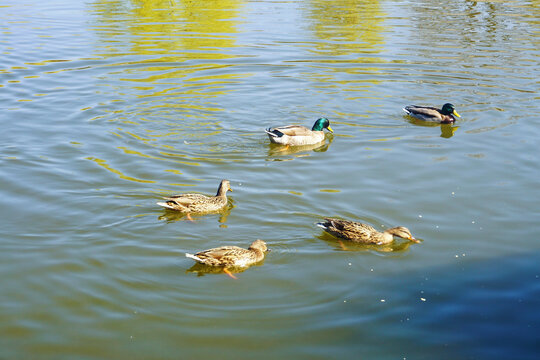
109, 105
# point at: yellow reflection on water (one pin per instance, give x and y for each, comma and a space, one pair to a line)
175, 30
351, 26
103, 163
352, 31
170, 56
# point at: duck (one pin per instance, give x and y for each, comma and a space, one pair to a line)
296, 135
364, 233
445, 115
232, 256
199, 203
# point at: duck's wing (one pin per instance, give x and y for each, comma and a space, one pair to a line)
187, 199
221, 252
290, 130
423, 111
350, 229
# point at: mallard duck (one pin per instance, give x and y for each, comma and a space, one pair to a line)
299, 135
364, 233
199, 203
426, 113
232, 256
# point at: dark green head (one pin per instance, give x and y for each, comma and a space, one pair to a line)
321, 124
448, 109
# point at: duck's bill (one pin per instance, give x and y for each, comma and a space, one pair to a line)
455, 113
330, 129
413, 239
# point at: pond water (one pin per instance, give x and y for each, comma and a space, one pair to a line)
109, 105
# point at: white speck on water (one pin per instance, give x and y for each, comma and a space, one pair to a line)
453, 193
371, 270
472, 222
344, 301
383, 300
419, 216
350, 264
423, 299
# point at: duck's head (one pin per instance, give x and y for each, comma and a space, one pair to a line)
448, 109
320, 124
259, 245
224, 186
402, 232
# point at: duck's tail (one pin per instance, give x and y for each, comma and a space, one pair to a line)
165, 205
323, 225
196, 258
273, 132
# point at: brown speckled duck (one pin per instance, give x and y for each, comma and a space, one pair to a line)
364, 233
426, 113
232, 256
199, 203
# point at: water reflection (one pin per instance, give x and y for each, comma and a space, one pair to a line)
447, 130
173, 216
166, 57
346, 24
277, 150
397, 246
349, 32
202, 269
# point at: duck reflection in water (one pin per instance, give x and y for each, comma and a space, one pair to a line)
172, 216
343, 245
202, 269
447, 130
276, 150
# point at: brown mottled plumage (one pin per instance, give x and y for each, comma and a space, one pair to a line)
199, 203
364, 233
232, 256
